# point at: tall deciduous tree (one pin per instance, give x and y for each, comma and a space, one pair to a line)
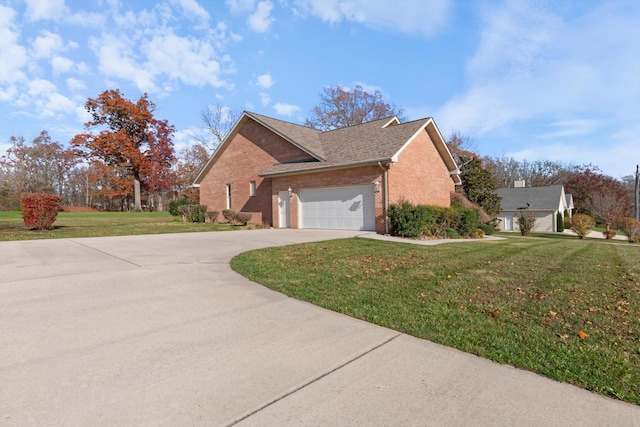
218, 122
133, 138
599, 195
341, 107
537, 173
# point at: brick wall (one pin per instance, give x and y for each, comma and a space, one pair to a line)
253, 150
420, 175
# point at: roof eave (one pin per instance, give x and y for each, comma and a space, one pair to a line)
326, 168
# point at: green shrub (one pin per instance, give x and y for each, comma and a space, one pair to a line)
193, 213
631, 228
526, 222
582, 224
174, 205
40, 210
415, 221
404, 221
469, 221
488, 228
559, 222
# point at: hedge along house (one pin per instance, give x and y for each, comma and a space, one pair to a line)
546, 203
292, 176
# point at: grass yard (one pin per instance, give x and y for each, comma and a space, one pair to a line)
567, 309
97, 224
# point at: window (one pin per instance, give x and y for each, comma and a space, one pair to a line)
252, 188
228, 196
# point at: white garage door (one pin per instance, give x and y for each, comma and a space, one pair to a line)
341, 208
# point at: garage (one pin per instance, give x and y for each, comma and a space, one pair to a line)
339, 208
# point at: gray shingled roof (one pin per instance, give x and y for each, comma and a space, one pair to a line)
360, 144
538, 198
366, 143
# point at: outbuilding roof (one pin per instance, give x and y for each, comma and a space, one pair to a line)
533, 198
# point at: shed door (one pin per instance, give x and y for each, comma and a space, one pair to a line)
338, 208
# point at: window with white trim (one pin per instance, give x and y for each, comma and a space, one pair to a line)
252, 188
228, 186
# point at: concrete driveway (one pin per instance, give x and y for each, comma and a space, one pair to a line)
157, 330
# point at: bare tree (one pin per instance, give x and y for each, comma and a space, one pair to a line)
341, 107
218, 122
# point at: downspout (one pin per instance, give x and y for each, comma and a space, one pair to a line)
385, 196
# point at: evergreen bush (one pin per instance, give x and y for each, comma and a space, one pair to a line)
559, 222
174, 205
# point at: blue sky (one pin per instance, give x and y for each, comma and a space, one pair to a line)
557, 80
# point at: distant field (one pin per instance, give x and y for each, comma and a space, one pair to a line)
96, 224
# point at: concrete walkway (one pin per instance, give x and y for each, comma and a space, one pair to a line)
157, 330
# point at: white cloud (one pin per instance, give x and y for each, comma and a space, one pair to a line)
45, 9
61, 65
283, 109
239, 6
56, 10
406, 16
116, 59
265, 81
260, 20
532, 65
75, 84
187, 59
192, 8
46, 45
14, 56
265, 99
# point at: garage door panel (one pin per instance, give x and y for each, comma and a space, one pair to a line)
343, 208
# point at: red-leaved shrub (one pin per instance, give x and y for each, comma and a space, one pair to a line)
39, 210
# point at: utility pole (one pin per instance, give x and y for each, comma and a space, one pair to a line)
636, 193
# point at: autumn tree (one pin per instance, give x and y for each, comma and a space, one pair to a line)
36, 166
460, 146
190, 162
131, 137
598, 195
341, 107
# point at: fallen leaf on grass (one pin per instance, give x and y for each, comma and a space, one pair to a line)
494, 313
582, 334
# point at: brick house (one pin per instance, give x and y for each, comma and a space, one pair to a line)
292, 176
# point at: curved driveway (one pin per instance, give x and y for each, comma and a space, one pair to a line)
157, 330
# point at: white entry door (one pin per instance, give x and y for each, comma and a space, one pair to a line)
284, 204
508, 222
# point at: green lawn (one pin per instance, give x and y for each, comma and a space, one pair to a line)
96, 224
520, 301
